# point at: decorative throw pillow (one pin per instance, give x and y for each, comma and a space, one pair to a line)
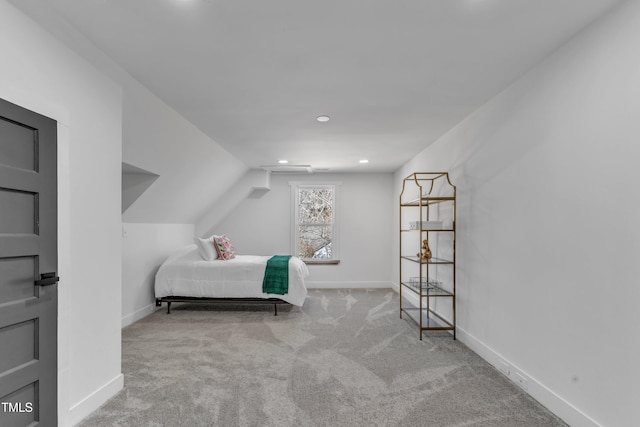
206, 248
224, 247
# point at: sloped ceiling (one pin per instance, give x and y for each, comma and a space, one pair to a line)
253, 75
193, 170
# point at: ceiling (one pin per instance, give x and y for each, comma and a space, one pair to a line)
393, 75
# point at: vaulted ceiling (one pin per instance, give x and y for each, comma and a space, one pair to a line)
392, 75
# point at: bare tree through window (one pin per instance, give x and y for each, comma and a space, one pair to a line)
315, 221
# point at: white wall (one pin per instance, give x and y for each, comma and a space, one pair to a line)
144, 248
548, 229
40, 74
253, 183
262, 226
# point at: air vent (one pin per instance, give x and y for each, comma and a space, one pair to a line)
288, 169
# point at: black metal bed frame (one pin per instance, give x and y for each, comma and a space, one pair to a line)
169, 300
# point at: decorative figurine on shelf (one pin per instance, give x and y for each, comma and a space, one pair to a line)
426, 252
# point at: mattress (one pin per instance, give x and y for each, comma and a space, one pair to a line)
186, 274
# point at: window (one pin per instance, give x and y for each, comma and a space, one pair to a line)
315, 222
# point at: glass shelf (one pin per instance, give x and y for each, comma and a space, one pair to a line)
427, 290
429, 261
430, 231
426, 200
431, 321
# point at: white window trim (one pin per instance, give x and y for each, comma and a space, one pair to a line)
335, 243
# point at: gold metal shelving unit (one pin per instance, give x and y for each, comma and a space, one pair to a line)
428, 283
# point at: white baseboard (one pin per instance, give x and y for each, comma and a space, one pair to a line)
138, 314
547, 397
534, 388
86, 406
347, 285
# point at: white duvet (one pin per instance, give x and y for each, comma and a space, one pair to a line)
186, 274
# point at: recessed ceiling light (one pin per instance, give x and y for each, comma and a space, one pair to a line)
323, 118
364, 161
282, 162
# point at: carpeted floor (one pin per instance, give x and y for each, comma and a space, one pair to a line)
344, 359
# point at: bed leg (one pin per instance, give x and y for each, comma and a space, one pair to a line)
275, 308
158, 302
168, 307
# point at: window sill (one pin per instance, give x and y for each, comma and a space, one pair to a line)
321, 261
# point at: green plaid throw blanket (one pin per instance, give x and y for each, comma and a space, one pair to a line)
276, 275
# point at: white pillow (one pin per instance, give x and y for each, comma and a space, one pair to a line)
206, 249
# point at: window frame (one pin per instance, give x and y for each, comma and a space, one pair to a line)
295, 187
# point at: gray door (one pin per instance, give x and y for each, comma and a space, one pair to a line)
28, 251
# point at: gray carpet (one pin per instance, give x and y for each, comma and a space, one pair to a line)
344, 359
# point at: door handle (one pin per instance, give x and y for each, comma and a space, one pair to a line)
47, 279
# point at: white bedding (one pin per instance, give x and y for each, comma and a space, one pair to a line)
186, 274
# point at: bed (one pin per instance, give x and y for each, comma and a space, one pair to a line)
187, 277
